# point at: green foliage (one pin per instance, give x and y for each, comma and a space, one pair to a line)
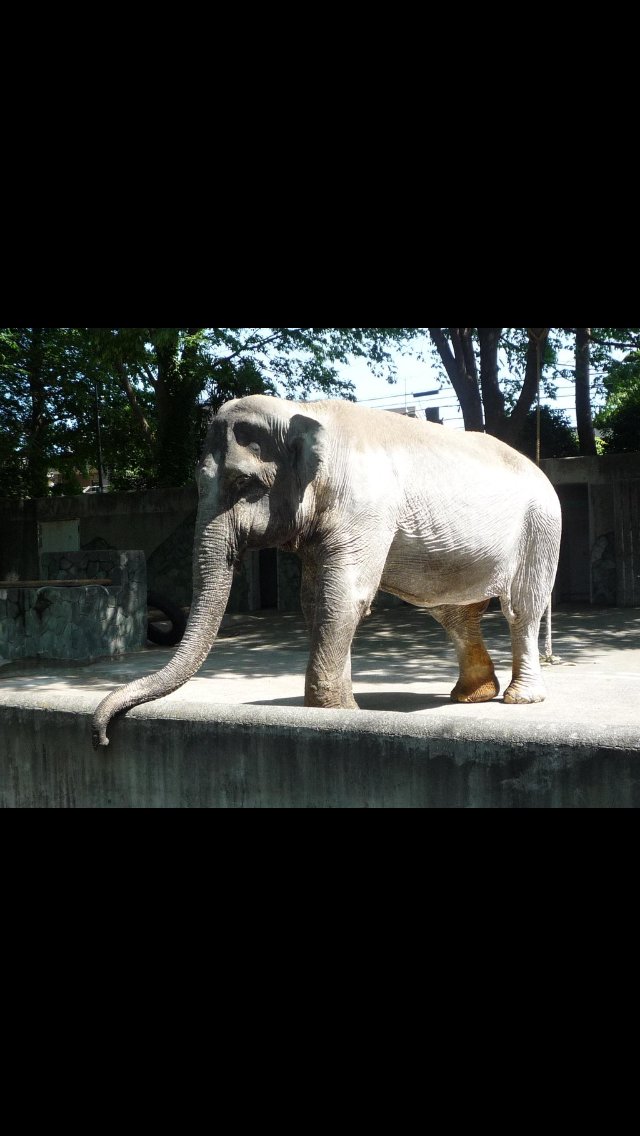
514, 345
619, 420
497, 388
152, 390
558, 439
44, 407
295, 361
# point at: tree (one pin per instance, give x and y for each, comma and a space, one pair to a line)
485, 403
584, 421
42, 404
457, 353
153, 390
497, 372
556, 436
173, 378
160, 373
619, 420
598, 346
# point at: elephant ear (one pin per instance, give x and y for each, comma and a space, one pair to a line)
305, 445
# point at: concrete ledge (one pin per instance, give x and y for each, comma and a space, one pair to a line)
203, 756
238, 737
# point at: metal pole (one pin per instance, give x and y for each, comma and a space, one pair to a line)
100, 480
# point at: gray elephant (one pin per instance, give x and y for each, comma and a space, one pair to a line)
368, 499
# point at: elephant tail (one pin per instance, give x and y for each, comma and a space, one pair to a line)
549, 658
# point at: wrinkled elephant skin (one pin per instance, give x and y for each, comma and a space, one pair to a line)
368, 500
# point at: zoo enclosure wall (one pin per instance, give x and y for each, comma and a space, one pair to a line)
599, 561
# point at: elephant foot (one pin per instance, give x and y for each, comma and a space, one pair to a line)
477, 681
329, 699
332, 704
519, 693
476, 688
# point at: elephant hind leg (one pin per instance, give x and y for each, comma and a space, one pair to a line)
526, 683
477, 681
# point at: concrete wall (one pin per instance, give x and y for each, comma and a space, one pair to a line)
81, 623
19, 539
600, 559
198, 756
600, 555
111, 520
160, 523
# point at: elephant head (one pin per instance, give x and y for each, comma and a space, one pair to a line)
257, 482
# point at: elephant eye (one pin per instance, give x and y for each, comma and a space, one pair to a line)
246, 436
246, 485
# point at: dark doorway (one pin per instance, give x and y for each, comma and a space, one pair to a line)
268, 577
573, 579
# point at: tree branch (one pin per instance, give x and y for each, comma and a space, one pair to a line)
492, 396
471, 365
125, 383
252, 344
464, 384
439, 340
535, 350
458, 351
150, 375
633, 345
584, 419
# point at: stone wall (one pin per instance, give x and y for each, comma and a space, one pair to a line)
161, 523
600, 553
82, 623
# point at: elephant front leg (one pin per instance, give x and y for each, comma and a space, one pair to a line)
335, 598
328, 678
477, 681
340, 580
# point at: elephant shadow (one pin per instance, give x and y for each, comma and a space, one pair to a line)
398, 702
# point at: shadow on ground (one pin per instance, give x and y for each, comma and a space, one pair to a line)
400, 645
399, 702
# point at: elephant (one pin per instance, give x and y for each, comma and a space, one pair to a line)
369, 500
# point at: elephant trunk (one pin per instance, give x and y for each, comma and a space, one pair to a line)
213, 575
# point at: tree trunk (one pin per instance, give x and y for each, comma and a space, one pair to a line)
492, 396
37, 457
584, 420
538, 337
459, 362
177, 391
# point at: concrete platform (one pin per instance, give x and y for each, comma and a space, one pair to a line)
238, 735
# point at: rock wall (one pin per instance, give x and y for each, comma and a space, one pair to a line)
80, 623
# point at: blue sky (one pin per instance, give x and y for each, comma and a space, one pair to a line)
415, 375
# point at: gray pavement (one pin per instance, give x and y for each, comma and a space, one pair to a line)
403, 668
